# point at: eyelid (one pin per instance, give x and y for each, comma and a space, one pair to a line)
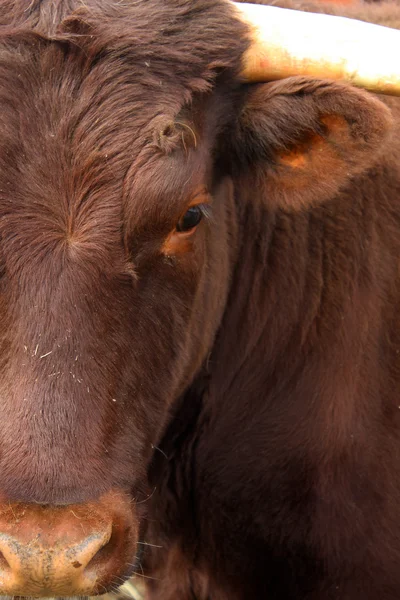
201, 196
203, 200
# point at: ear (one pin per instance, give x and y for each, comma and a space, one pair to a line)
302, 140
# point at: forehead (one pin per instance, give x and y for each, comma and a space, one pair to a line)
77, 134
53, 97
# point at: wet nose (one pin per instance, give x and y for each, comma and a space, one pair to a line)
75, 550
38, 568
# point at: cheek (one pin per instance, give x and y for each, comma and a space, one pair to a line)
218, 256
164, 308
181, 298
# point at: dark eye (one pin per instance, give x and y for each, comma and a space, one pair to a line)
190, 219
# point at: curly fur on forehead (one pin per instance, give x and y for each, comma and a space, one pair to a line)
190, 41
106, 78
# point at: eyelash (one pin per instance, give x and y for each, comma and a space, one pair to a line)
206, 211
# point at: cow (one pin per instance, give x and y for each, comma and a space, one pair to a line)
199, 300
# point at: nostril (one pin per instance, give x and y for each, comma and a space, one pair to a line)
4, 564
104, 555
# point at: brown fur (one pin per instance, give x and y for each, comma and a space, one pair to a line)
243, 388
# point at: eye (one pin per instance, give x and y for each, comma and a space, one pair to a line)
190, 219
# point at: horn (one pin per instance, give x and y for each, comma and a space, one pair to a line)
287, 42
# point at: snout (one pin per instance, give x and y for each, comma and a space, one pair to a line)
75, 550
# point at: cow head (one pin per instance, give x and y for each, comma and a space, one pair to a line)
123, 129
